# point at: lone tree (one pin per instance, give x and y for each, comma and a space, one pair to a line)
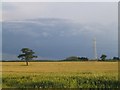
103, 57
27, 55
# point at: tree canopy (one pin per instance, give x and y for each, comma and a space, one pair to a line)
103, 57
27, 55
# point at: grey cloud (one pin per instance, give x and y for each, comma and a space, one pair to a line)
60, 39
81, 12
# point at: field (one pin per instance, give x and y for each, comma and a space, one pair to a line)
60, 75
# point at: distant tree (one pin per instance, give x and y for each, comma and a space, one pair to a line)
27, 55
103, 57
72, 58
116, 58
83, 58
76, 58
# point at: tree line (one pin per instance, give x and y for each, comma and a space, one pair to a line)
28, 55
102, 58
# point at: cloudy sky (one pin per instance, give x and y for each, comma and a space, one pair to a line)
74, 25
82, 12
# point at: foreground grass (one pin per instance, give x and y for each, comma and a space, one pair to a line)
60, 75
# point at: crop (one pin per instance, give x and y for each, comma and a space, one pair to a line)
60, 75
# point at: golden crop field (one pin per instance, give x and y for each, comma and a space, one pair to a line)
14, 67
60, 74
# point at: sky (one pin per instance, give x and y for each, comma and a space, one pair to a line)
82, 12
60, 1
74, 23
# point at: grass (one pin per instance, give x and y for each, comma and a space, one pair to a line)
60, 75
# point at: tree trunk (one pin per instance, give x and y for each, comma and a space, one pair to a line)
27, 63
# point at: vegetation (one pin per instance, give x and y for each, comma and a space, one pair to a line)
60, 75
27, 55
116, 58
103, 57
76, 58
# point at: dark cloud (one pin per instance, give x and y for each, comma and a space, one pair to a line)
58, 38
